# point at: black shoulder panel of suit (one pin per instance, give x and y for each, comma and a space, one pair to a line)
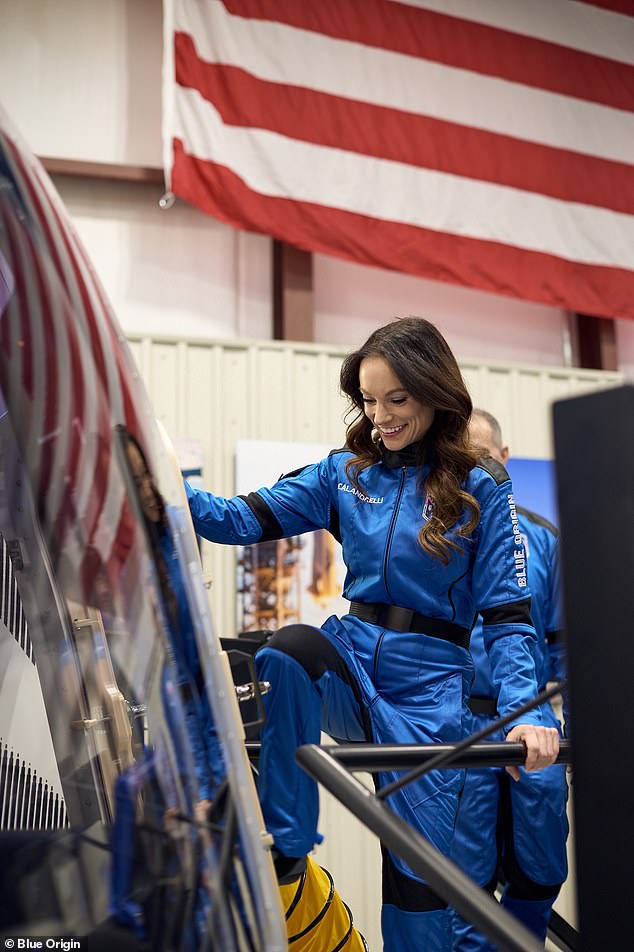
512, 613
341, 449
290, 475
271, 529
495, 469
538, 520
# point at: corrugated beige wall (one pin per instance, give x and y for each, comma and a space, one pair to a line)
223, 391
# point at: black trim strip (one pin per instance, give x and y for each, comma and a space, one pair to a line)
271, 528
513, 613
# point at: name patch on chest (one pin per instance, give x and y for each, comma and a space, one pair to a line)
345, 488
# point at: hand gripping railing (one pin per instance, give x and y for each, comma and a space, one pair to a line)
331, 767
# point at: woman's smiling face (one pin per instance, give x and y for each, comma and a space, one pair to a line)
399, 418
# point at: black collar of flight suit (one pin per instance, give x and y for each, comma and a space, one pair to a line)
394, 459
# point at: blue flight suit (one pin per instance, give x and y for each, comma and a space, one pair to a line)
521, 827
358, 680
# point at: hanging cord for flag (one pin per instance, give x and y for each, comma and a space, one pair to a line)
446, 756
167, 200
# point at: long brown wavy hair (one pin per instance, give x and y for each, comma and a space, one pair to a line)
426, 368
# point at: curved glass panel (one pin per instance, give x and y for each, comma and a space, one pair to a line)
139, 714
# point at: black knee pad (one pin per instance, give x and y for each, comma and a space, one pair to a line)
310, 648
406, 893
519, 886
316, 654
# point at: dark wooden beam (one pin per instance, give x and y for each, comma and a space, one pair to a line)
293, 312
594, 342
103, 170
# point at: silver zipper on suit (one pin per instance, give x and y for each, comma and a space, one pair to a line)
392, 524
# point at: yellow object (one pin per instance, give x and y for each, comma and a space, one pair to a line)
317, 919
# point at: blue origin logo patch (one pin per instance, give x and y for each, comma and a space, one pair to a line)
428, 508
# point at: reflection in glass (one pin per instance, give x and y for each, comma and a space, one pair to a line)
160, 834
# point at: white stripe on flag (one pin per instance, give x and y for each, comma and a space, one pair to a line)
579, 26
275, 165
406, 83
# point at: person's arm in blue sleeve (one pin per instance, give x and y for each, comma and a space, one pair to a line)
295, 504
502, 596
229, 521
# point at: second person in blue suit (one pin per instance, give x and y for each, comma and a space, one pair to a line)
515, 831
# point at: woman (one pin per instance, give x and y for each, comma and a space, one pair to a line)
429, 539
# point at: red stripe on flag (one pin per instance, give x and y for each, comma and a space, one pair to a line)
310, 116
53, 235
99, 389
616, 6
456, 42
503, 269
68, 287
21, 349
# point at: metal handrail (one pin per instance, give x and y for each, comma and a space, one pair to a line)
446, 879
372, 758
442, 875
449, 756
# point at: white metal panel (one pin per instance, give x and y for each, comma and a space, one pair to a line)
521, 398
273, 409
165, 384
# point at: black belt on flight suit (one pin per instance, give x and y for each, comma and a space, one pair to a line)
396, 618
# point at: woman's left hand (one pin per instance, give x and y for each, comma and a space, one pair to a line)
542, 747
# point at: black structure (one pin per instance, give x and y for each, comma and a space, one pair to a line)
594, 450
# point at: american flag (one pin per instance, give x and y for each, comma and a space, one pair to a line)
487, 143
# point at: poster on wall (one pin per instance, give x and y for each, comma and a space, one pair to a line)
300, 579
288, 580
